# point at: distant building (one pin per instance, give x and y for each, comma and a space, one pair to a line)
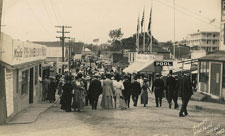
208, 41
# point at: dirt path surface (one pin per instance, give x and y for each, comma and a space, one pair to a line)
136, 121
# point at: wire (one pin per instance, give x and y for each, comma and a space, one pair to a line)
165, 4
53, 9
59, 15
192, 12
44, 6
42, 26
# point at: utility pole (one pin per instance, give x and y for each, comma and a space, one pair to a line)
174, 46
2, 77
62, 39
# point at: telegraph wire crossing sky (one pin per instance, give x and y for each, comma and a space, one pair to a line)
35, 20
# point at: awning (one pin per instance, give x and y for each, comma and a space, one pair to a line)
140, 67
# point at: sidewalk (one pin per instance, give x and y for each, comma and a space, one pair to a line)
193, 104
30, 114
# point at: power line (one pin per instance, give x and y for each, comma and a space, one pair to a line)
192, 12
42, 26
165, 4
59, 15
49, 16
54, 11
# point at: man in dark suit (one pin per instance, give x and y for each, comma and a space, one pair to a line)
170, 89
136, 91
185, 92
157, 88
95, 89
127, 90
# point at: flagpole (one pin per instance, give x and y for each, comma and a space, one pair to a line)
151, 30
144, 32
137, 35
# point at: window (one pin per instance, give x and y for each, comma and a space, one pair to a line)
214, 35
204, 71
214, 42
24, 82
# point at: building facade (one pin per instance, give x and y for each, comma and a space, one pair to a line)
22, 65
208, 41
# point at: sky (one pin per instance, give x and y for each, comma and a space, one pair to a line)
35, 20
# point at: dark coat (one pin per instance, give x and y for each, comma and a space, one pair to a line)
136, 88
95, 88
184, 87
158, 87
66, 96
127, 88
52, 90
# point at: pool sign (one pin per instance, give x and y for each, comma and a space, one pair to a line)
163, 63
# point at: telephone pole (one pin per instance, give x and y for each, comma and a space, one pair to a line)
62, 39
2, 77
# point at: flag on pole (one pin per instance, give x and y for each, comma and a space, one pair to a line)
149, 24
142, 21
212, 21
149, 31
96, 40
137, 35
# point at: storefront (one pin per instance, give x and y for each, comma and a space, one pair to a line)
211, 74
22, 63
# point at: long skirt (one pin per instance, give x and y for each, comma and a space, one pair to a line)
144, 97
107, 102
78, 100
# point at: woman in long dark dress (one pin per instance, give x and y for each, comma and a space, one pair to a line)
144, 93
52, 90
67, 95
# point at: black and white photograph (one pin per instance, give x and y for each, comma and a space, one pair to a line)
112, 67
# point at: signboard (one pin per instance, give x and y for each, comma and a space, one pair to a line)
148, 57
9, 91
19, 52
163, 63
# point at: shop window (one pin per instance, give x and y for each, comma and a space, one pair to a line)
24, 82
204, 72
36, 75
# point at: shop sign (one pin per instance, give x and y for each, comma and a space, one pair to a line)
163, 63
27, 52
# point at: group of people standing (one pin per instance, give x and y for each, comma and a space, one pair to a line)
116, 90
179, 86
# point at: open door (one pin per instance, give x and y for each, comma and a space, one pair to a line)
215, 81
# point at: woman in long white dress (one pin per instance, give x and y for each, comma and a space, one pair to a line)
118, 87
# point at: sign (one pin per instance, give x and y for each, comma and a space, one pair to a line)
9, 91
148, 57
163, 63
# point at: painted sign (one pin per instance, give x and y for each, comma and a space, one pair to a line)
163, 63
9, 91
148, 57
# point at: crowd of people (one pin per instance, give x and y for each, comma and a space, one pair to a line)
116, 90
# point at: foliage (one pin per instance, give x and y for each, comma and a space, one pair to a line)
115, 35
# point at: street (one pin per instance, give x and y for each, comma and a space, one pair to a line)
141, 121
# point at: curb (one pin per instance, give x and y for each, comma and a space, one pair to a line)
38, 116
209, 110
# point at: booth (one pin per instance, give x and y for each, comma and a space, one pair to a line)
22, 63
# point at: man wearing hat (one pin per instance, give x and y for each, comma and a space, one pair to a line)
95, 89
157, 88
170, 89
185, 92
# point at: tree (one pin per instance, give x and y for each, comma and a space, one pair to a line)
115, 35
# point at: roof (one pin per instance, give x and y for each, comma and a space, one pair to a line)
216, 56
77, 49
48, 43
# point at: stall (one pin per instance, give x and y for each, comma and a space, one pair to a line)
22, 63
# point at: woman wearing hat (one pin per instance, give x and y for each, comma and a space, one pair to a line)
144, 92
107, 94
79, 93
